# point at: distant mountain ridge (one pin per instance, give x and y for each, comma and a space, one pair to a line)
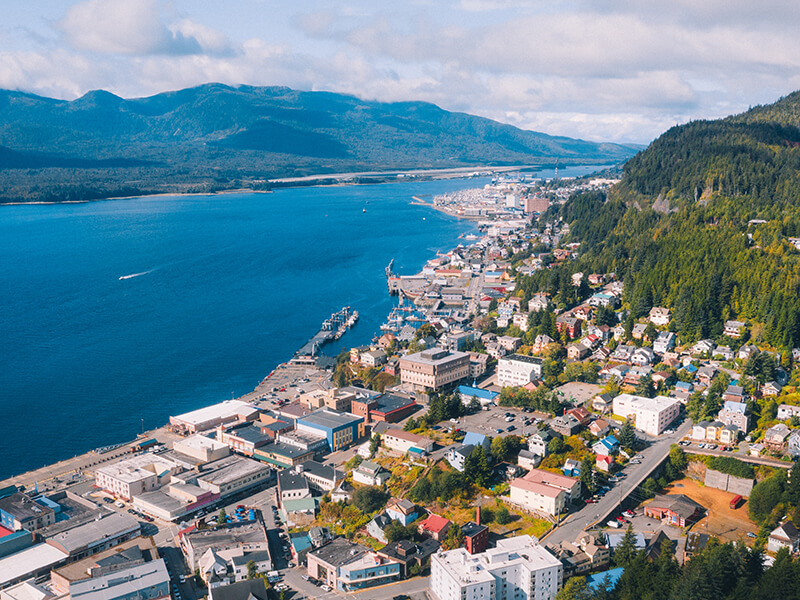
216, 136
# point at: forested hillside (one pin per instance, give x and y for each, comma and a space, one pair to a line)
701, 222
216, 137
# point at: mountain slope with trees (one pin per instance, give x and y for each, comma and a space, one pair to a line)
221, 137
701, 223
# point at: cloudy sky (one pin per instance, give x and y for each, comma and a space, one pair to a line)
616, 70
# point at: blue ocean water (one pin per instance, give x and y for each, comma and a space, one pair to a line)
225, 288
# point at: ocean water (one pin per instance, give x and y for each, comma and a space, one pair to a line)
217, 291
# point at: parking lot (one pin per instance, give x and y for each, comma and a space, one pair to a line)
493, 422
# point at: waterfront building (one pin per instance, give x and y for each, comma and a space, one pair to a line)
210, 417
518, 370
517, 569
283, 455
20, 511
340, 429
136, 475
434, 368
388, 408
96, 536
243, 438
651, 415
202, 448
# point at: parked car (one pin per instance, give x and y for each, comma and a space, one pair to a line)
614, 524
326, 587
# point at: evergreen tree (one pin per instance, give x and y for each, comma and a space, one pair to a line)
627, 435
626, 550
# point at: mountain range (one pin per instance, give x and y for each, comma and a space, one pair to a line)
215, 137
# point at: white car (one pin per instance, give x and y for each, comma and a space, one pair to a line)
119, 503
326, 587
614, 524
454, 421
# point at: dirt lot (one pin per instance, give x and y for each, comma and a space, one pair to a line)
722, 522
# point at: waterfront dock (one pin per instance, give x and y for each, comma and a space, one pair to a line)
332, 329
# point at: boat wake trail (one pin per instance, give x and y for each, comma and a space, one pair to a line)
132, 275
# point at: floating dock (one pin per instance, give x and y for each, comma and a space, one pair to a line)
332, 329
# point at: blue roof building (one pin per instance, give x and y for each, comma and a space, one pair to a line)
609, 578
477, 439
467, 392
339, 428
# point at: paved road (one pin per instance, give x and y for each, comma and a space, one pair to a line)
577, 522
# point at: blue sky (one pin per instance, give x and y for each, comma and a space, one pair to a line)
613, 70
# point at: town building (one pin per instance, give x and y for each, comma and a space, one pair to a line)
659, 316
409, 553
20, 511
387, 408
678, 510
651, 415
517, 569
349, 567
227, 545
517, 370
476, 536
405, 441
321, 478
148, 580
434, 368
537, 443
210, 417
96, 536
201, 447
340, 429
243, 438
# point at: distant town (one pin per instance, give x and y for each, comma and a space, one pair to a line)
514, 425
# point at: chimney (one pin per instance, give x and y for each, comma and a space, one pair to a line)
478, 515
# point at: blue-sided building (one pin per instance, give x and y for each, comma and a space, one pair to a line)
341, 429
467, 392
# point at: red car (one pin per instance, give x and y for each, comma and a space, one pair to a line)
590, 501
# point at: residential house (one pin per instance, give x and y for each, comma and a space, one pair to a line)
603, 299
537, 443
733, 329
569, 323
784, 535
735, 393
478, 439
787, 411
735, 413
571, 468
540, 343
664, 342
604, 463
723, 352
793, 443
623, 352
520, 320
747, 351
370, 473
581, 414
583, 312
377, 526
775, 437
577, 351
639, 330
402, 510
528, 460
771, 388
599, 427
435, 527
509, 343
659, 316
565, 425
602, 402
642, 357
545, 492
703, 347
608, 446
457, 456
538, 302
408, 553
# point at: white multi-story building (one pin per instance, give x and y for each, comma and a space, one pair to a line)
651, 415
517, 569
518, 370
131, 477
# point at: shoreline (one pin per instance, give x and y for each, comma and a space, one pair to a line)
323, 180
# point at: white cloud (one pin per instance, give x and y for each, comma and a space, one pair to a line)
135, 27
